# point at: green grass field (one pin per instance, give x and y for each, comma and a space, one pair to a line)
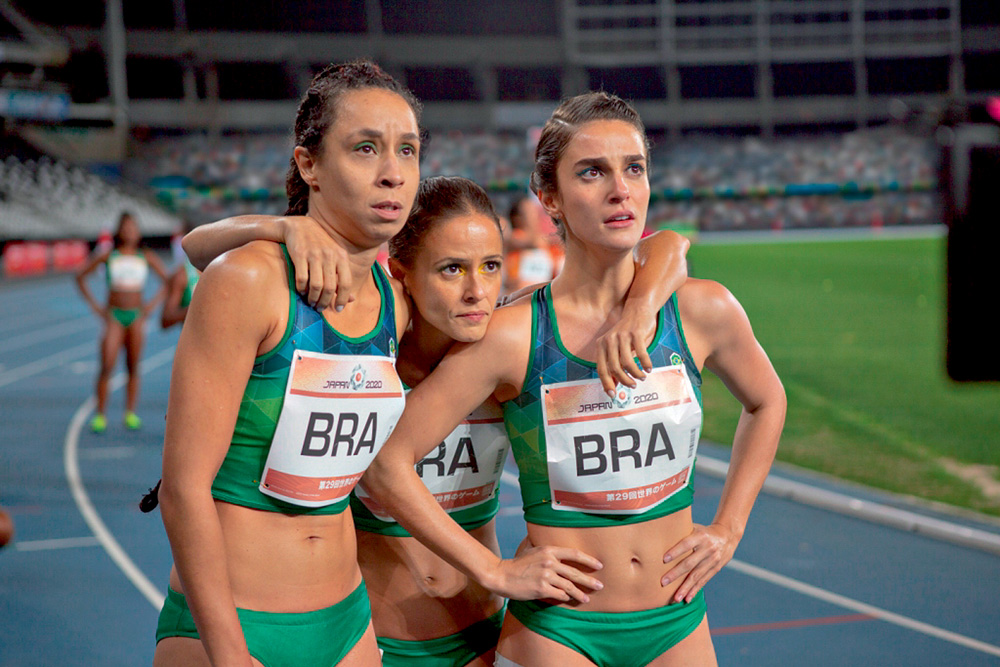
856, 331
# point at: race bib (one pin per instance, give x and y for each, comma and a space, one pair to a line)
623, 455
338, 412
535, 266
465, 469
128, 272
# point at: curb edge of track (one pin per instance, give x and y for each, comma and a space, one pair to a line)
868, 510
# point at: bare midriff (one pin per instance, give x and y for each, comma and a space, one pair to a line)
125, 300
632, 556
286, 563
415, 595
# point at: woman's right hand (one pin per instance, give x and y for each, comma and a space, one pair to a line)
545, 573
322, 267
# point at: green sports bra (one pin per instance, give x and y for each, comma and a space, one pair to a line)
623, 451
239, 476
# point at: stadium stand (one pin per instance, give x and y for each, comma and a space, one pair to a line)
50, 200
876, 177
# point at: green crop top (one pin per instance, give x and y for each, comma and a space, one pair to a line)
550, 363
239, 476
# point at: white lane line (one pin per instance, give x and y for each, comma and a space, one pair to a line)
46, 363
48, 333
60, 543
90, 515
855, 605
825, 595
886, 515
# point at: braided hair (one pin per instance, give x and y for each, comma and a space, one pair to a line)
317, 112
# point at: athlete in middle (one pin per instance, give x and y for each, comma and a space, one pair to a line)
448, 257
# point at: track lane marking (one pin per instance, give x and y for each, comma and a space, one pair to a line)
45, 363
57, 543
79, 492
24, 322
55, 360
861, 607
788, 625
48, 333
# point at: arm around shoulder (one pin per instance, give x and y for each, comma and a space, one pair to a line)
660, 270
464, 379
206, 242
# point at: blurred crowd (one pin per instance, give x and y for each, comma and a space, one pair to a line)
876, 177
871, 178
879, 157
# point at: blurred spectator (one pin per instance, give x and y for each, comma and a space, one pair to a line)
532, 253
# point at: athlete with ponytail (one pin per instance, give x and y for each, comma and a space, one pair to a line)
265, 567
606, 473
448, 257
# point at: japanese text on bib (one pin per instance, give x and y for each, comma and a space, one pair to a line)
622, 455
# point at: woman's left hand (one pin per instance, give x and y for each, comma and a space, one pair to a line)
708, 549
618, 348
322, 266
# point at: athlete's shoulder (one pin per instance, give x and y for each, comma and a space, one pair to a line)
706, 301
512, 317
711, 314
524, 292
506, 347
256, 265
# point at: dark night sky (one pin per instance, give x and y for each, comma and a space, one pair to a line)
161, 78
414, 16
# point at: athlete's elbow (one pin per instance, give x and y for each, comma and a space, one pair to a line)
190, 248
375, 479
176, 499
779, 401
384, 477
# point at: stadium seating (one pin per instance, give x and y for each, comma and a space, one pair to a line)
47, 200
872, 178
877, 177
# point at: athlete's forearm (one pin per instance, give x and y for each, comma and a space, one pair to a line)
660, 270
90, 300
198, 548
81, 284
151, 305
206, 242
394, 483
172, 313
754, 448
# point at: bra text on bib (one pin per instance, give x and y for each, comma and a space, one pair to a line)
464, 470
338, 412
620, 455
